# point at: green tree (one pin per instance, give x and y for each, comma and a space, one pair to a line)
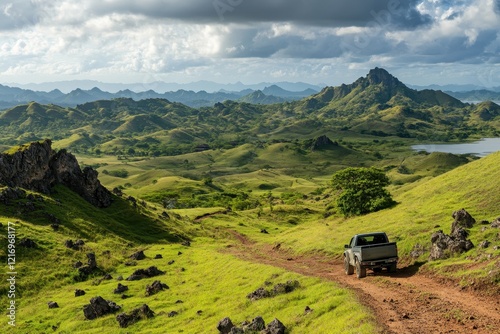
361, 190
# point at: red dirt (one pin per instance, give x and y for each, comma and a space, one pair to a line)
402, 302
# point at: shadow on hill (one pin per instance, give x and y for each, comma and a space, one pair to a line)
80, 219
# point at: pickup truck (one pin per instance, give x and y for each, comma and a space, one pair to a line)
370, 251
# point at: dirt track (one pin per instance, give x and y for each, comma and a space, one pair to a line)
403, 302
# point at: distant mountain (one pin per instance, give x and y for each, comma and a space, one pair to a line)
448, 88
258, 97
377, 105
476, 95
162, 87
12, 96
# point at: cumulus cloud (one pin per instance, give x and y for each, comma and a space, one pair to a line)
242, 38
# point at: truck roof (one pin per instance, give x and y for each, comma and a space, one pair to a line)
371, 233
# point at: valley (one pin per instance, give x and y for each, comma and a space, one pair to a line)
235, 198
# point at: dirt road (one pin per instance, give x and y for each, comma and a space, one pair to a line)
403, 302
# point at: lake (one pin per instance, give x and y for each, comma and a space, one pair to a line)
480, 148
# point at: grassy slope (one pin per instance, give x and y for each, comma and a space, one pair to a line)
210, 279
424, 207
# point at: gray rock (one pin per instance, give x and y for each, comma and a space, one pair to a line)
99, 307
143, 312
155, 287
275, 327
225, 325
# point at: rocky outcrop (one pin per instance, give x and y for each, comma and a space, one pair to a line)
38, 167
443, 245
323, 142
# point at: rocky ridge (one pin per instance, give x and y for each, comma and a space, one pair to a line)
38, 167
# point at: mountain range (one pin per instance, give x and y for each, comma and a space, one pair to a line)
377, 105
12, 96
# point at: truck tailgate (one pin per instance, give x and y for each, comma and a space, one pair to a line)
379, 251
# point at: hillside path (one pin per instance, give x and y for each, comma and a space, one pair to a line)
402, 302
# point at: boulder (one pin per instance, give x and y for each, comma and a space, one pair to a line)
275, 327
225, 325
260, 293
99, 307
143, 312
444, 245
256, 325
53, 305
462, 219
120, 288
145, 273
27, 243
138, 255
496, 223
155, 287
79, 293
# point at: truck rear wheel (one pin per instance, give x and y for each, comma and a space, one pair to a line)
392, 268
360, 270
349, 270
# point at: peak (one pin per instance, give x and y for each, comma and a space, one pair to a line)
378, 75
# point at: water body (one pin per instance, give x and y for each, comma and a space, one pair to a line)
479, 148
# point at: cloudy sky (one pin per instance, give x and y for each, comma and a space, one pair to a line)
316, 41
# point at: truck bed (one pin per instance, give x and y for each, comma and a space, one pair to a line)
378, 251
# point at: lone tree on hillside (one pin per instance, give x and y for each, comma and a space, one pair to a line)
361, 190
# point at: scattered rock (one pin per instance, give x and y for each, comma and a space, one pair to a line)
287, 287
186, 243
77, 264
120, 288
85, 271
179, 301
158, 256
156, 287
119, 278
27, 243
145, 273
260, 293
138, 255
77, 245
171, 262
107, 277
496, 223
179, 253
117, 191
199, 312
79, 293
417, 251
172, 314
264, 231
143, 312
279, 288
484, 244
225, 325
54, 226
53, 305
256, 325
274, 327
307, 310
99, 307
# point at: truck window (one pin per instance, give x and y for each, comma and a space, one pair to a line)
351, 243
